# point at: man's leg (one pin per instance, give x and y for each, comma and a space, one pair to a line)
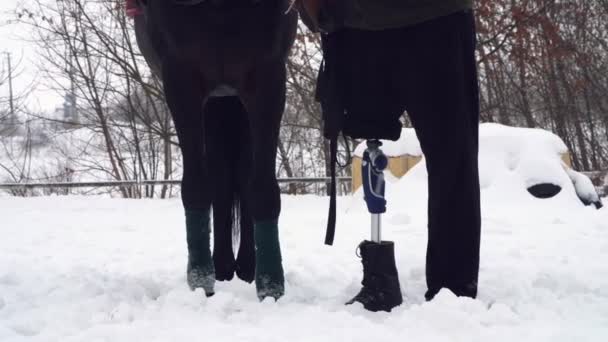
440, 86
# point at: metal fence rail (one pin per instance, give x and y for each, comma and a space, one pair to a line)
599, 178
101, 184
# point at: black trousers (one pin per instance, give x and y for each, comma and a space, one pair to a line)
428, 70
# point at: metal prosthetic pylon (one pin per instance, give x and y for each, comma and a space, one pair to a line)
381, 289
373, 166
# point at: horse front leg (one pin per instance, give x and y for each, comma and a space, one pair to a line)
263, 95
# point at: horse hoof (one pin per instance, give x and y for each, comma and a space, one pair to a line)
269, 288
246, 275
245, 269
224, 271
269, 274
270, 284
201, 278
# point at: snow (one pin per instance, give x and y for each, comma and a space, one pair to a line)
534, 154
101, 269
583, 186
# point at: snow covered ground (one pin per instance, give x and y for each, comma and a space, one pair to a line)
101, 269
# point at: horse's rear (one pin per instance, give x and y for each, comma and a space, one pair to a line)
223, 68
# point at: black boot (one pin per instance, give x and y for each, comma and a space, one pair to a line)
381, 290
200, 272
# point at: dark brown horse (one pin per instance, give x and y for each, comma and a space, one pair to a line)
222, 63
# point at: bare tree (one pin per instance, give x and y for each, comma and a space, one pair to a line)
542, 64
11, 103
89, 53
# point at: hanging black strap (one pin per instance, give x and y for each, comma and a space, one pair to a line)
329, 94
331, 220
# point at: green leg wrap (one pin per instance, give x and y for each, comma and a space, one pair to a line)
200, 272
269, 277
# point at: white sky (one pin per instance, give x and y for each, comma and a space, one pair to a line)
12, 40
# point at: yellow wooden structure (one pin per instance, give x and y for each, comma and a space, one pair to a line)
567, 159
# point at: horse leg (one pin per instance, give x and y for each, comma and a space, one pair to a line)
263, 94
184, 94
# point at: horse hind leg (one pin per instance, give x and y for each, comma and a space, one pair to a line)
264, 97
185, 104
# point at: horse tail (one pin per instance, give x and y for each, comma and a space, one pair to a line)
229, 156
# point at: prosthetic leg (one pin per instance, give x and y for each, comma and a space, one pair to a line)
381, 290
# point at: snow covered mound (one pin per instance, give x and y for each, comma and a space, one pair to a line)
534, 154
511, 160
